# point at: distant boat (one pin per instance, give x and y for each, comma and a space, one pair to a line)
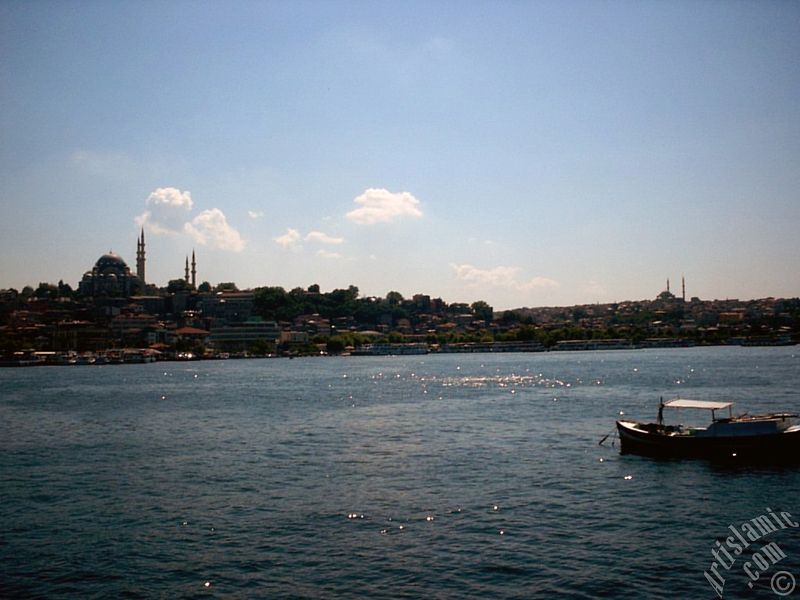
26, 358
391, 349
87, 358
773, 436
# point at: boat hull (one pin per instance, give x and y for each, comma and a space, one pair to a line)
777, 447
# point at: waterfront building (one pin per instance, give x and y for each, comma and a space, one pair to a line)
312, 324
289, 338
192, 334
230, 307
239, 337
126, 324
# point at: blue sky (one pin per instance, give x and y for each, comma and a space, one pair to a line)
523, 153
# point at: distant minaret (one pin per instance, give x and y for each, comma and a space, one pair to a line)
186, 275
194, 272
683, 288
140, 258
667, 283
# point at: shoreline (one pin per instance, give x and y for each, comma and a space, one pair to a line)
130, 356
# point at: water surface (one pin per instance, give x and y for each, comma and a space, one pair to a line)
446, 476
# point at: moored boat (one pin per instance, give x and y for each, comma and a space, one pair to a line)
391, 349
773, 436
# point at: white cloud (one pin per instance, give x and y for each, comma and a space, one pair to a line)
291, 240
501, 277
383, 206
288, 240
323, 238
255, 214
169, 212
540, 283
211, 228
172, 197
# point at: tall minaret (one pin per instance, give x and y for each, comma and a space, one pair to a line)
194, 272
186, 275
140, 258
667, 283
683, 288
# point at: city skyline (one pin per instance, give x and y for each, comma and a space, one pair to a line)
534, 154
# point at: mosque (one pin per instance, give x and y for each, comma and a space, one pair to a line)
111, 276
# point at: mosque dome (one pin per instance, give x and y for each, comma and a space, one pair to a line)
109, 277
111, 261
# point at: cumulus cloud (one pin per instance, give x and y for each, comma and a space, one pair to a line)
255, 214
288, 240
501, 277
322, 253
291, 240
172, 197
377, 205
323, 238
540, 283
211, 228
169, 212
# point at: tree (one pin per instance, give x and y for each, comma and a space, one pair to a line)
178, 285
64, 289
228, 286
261, 347
46, 290
271, 302
340, 303
482, 311
394, 298
336, 345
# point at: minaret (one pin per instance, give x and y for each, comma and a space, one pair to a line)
186, 275
683, 288
194, 272
140, 258
667, 283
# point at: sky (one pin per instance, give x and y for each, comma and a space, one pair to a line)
523, 153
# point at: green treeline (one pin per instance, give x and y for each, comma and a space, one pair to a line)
277, 304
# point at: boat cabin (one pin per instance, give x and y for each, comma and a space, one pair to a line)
730, 425
702, 405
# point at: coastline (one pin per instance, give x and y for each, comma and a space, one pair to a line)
147, 355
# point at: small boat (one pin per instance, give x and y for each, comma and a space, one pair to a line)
773, 436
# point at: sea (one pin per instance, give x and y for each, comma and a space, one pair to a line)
434, 476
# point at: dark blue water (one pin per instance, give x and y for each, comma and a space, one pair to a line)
455, 476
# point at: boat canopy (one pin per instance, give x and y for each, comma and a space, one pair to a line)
703, 404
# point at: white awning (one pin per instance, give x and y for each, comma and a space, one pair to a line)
704, 404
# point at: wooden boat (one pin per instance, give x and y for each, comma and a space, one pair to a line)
773, 436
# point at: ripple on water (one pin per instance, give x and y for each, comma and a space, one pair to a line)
343, 478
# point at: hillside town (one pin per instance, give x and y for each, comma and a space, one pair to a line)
114, 316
